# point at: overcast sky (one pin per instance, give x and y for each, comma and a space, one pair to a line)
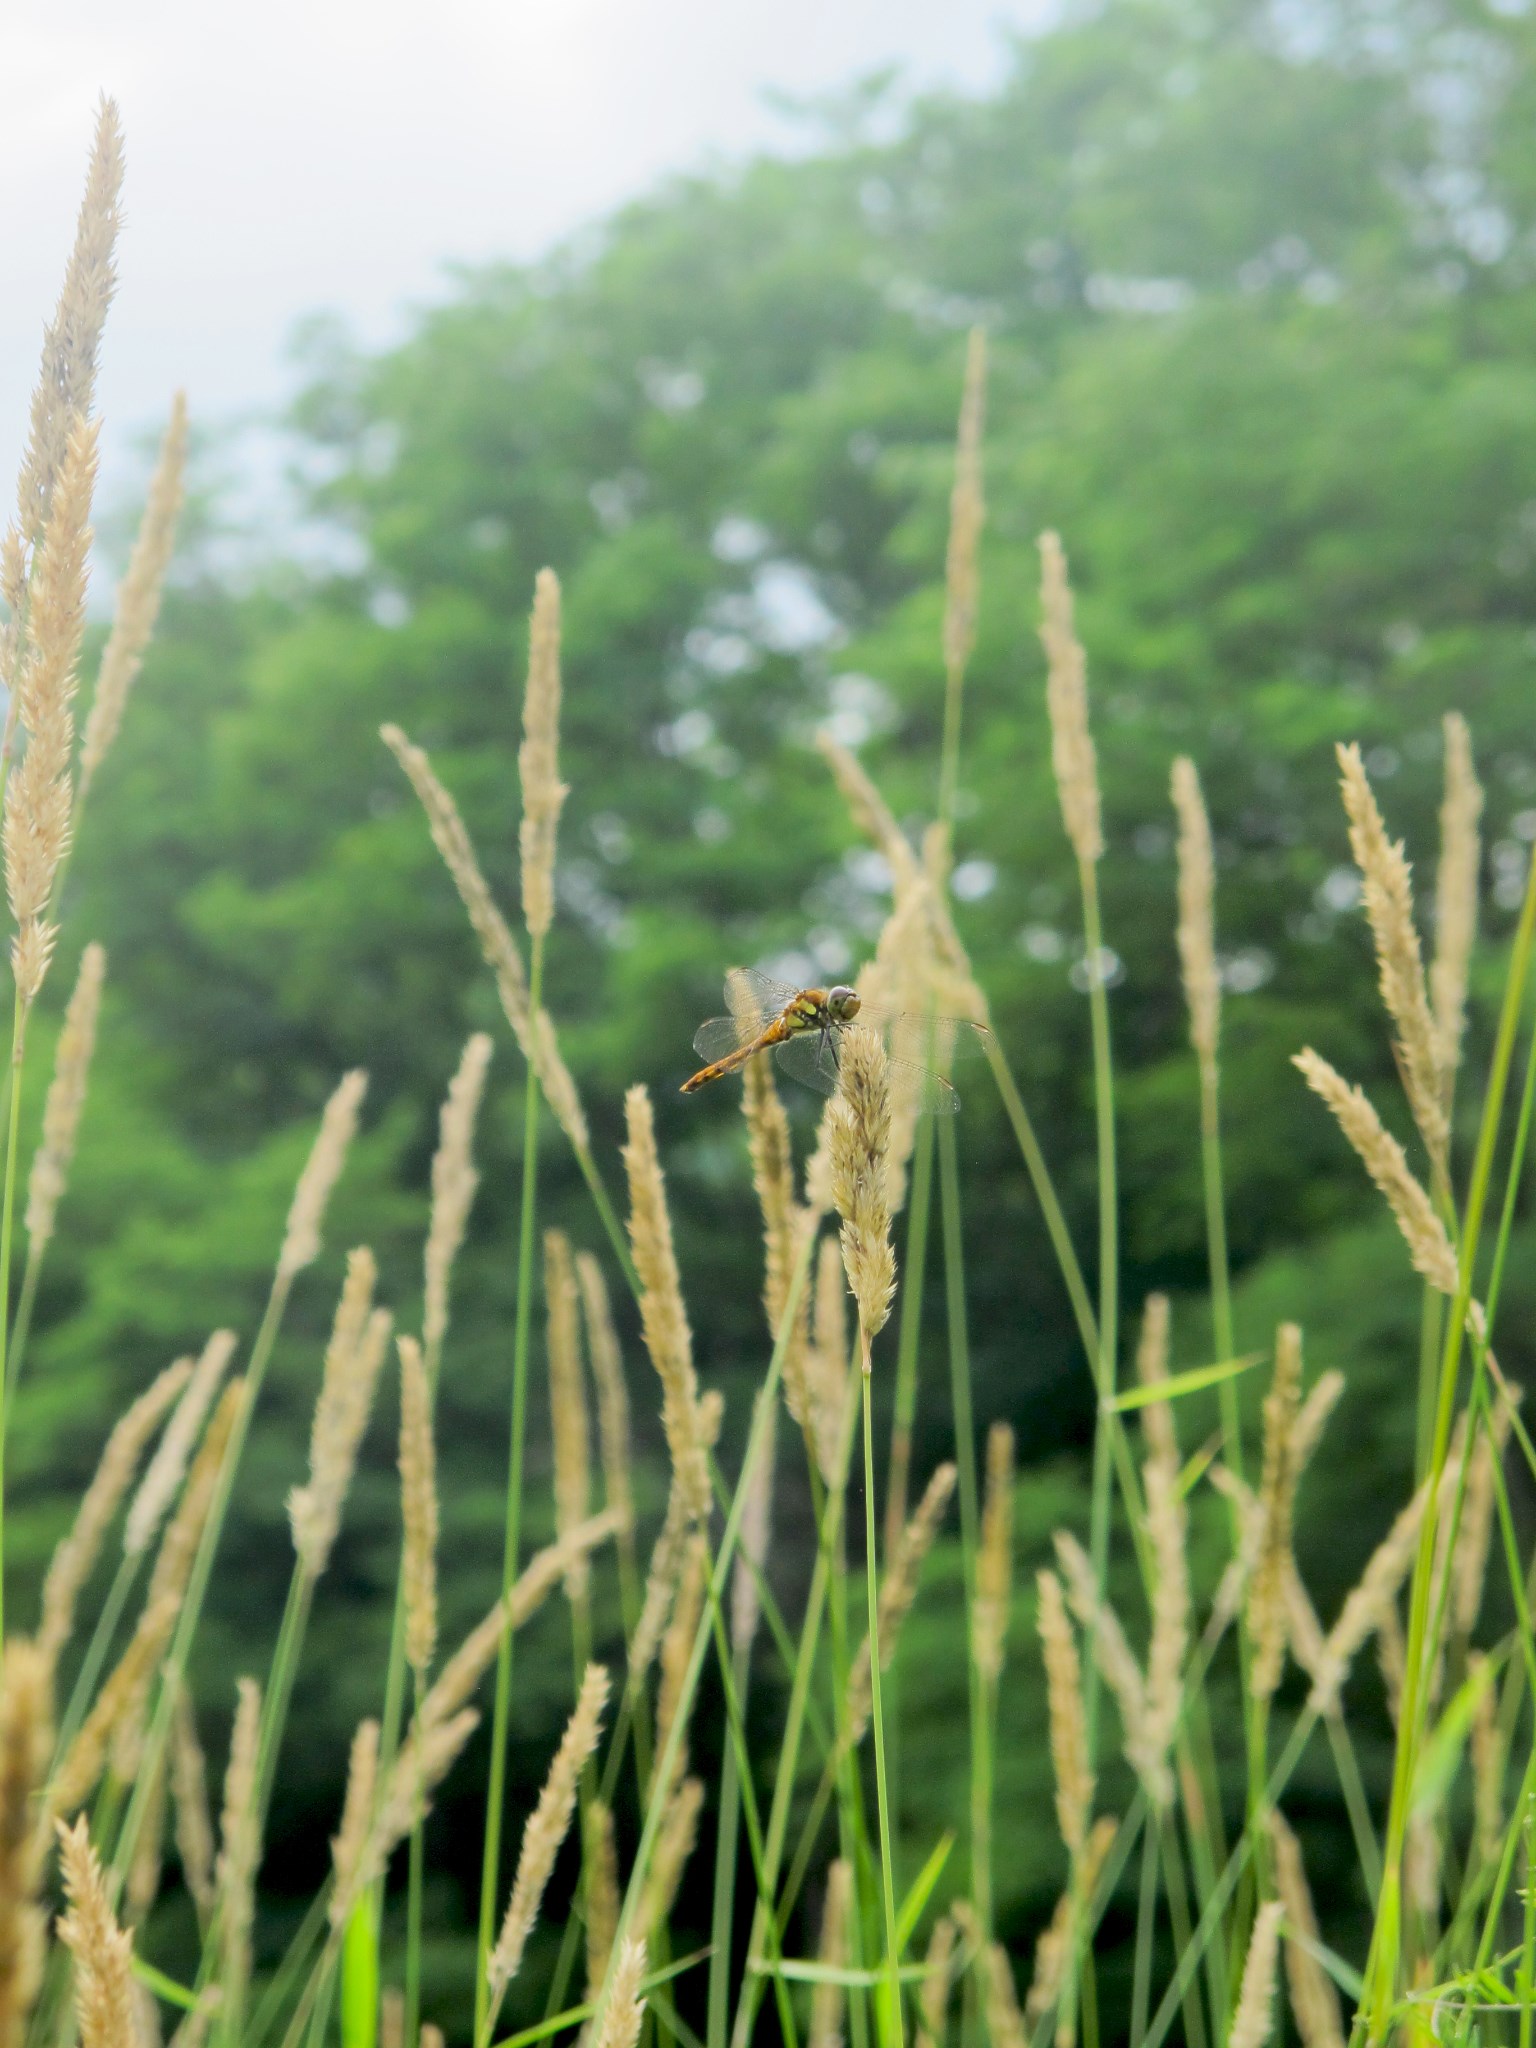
288, 156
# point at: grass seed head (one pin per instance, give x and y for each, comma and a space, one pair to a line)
76, 1555
418, 1493
567, 1401
138, 598
1455, 895
663, 1317
1388, 889
548, 1825
544, 794
106, 2007
322, 1170
66, 1099
859, 1138
454, 1182
1197, 916
1066, 694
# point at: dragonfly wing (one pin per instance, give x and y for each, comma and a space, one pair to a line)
929, 1091
811, 1059
932, 1041
720, 1036
769, 995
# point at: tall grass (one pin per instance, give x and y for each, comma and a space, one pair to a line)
851, 1928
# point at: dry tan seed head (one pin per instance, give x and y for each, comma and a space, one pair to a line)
240, 1836
106, 2009
454, 1181
167, 1468
1387, 1164
898, 1589
625, 2007
138, 598
1389, 906
994, 1558
675, 1841
612, 1393
349, 1844
536, 1036
548, 1825
322, 1170
1277, 1495
1157, 1426
66, 1099
40, 792
828, 1999
600, 1868
1314, 2000
353, 1359
1197, 915
859, 1132
66, 384
418, 1494
663, 1317
756, 1529
1455, 894
1069, 1725
26, 1738
567, 1401
189, 1791
544, 794
76, 1555
1066, 695
1254, 2018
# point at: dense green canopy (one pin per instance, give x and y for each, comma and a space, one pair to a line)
1258, 285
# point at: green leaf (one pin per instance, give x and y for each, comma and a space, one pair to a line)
922, 1890
1442, 1753
574, 2015
1189, 1382
797, 1972
163, 1986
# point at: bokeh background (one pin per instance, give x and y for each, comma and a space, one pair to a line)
1260, 282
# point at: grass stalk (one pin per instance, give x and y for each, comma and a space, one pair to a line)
415, 1873
495, 1798
904, 1412
723, 1905
1109, 1284
1146, 1927
894, 2030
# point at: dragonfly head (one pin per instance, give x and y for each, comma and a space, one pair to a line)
842, 1004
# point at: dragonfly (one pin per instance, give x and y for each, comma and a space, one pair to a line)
804, 1028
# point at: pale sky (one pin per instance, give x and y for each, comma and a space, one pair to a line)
290, 156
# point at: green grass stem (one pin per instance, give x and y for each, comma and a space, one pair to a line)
490, 1863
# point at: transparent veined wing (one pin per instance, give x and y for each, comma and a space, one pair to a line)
923, 1086
749, 989
930, 1041
755, 1000
719, 1037
811, 1057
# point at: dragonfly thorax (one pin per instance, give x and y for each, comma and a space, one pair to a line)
819, 1009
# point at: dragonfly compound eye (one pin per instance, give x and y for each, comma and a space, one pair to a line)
844, 1004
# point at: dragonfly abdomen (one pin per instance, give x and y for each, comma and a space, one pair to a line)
717, 1069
